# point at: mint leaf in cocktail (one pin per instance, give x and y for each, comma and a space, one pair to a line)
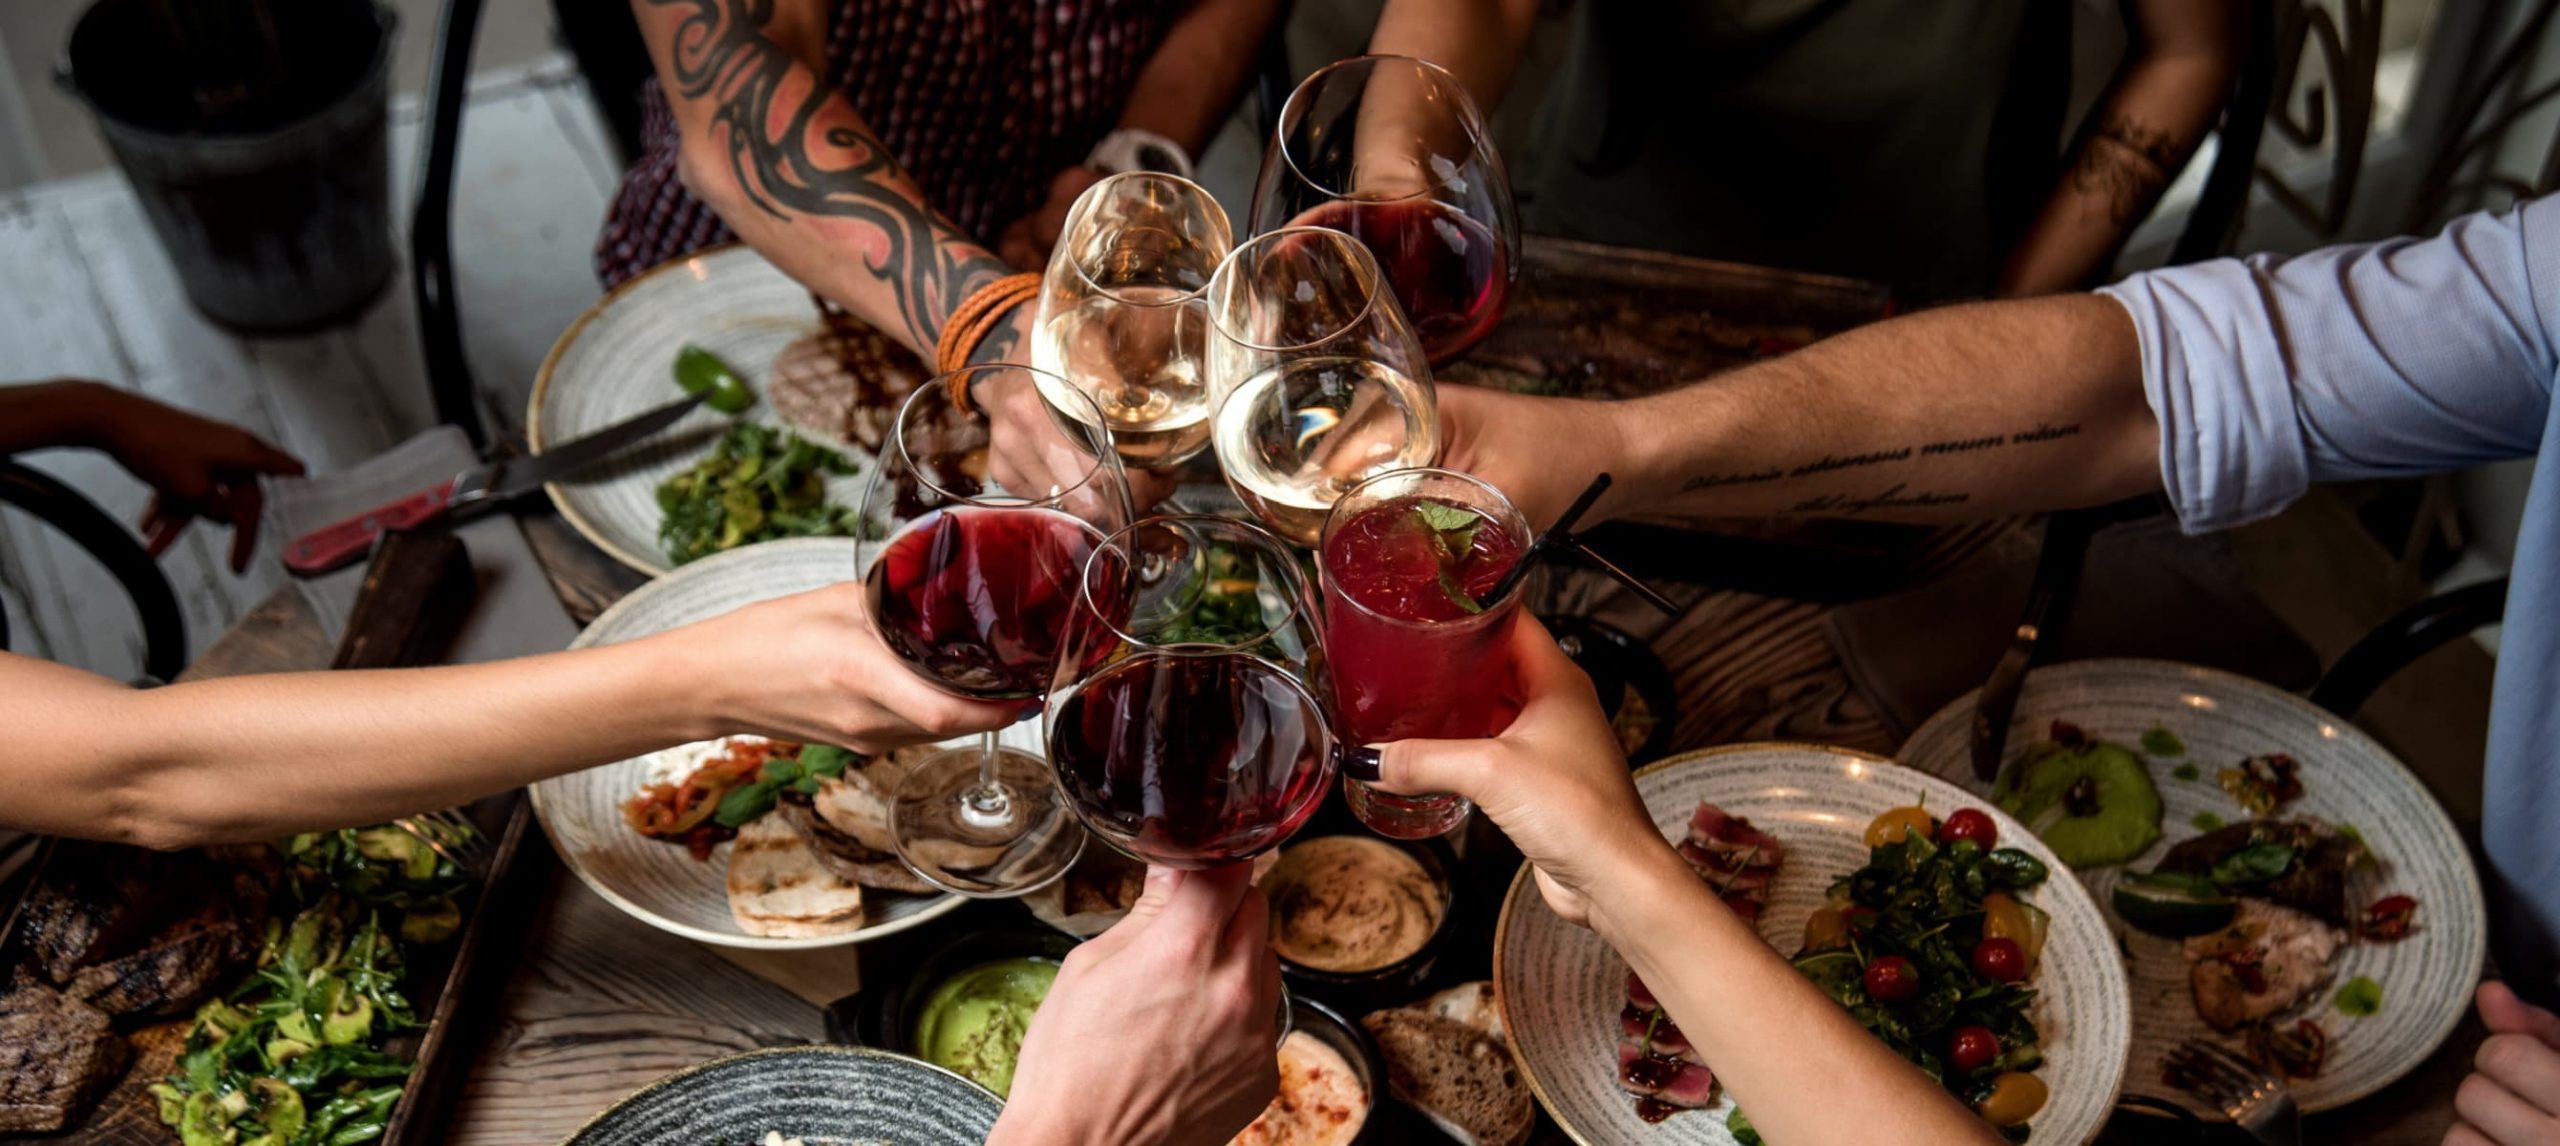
1453, 538
1457, 593
1454, 527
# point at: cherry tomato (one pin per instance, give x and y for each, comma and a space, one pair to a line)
1825, 929
1972, 1048
1970, 824
1892, 824
2014, 1098
2000, 959
1891, 979
2003, 917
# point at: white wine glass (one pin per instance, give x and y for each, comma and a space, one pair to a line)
1319, 381
1121, 318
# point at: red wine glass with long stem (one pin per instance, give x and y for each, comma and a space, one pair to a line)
1189, 726
1392, 150
992, 503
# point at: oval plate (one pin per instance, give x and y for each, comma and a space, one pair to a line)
2426, 978
1561, 988
823, 1096
614, 362
656, 881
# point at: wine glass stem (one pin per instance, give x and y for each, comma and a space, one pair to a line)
985, 804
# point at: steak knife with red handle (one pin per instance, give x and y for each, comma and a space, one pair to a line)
474, 491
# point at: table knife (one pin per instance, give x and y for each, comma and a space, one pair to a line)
2057, 580
474, 491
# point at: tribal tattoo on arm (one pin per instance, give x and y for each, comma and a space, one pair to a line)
796, 149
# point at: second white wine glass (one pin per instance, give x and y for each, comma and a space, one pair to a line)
1319, 380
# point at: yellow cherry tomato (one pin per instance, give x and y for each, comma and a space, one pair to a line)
1825, 929
2015, 1097
2003, 917
1894, 823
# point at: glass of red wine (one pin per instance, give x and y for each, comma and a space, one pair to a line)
1392, 150
993, 504
1189, 726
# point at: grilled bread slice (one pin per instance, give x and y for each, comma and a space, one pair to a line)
778, 887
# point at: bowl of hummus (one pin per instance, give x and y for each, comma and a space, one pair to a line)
1330, 1080
1356, 917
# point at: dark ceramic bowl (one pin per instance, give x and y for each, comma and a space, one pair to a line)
886, 1014
1356, 1048
1362, 991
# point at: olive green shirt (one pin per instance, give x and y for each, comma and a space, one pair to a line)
1906, 141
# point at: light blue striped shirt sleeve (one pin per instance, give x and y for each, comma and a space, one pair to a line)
2404, 356
2390, 358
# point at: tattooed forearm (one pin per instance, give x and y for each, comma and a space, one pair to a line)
2126, 165
796, 150
1899, 495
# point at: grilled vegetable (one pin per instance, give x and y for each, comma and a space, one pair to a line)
295, 1056
757, 485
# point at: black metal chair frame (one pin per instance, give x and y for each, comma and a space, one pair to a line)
164, 629
431, 225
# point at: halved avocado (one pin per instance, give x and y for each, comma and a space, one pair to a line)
2172, 905
2094, 805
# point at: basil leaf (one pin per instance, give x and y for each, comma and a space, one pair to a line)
824, 760
2257, 863
2162, 742
746, 802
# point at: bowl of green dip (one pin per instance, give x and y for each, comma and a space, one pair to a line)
965, 1006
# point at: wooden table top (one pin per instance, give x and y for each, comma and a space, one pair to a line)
599, 1004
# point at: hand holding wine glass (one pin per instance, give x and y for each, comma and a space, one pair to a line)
1393, 151
993, 520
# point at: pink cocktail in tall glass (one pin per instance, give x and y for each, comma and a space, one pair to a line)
1415, 646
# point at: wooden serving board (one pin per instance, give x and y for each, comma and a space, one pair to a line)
416, 591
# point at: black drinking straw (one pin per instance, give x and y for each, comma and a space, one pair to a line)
1560, 536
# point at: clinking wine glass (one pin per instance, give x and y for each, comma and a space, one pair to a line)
1189, 726
1319, 381
994, 504
1121, 318
1391, 149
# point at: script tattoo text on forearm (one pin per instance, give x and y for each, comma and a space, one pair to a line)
1897, 495
788, 162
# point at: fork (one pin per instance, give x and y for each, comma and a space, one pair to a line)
2255, 1100
452, 836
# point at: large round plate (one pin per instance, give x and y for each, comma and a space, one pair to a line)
614, 362
656, 881
1560, 987
823, 1096
2347, 779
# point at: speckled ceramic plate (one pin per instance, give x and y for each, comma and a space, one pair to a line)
615, 361
2222, 719
822, 1096
1561, 988
657, 881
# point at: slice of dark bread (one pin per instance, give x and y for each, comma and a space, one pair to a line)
1462, 1078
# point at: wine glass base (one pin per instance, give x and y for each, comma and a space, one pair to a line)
983, 849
